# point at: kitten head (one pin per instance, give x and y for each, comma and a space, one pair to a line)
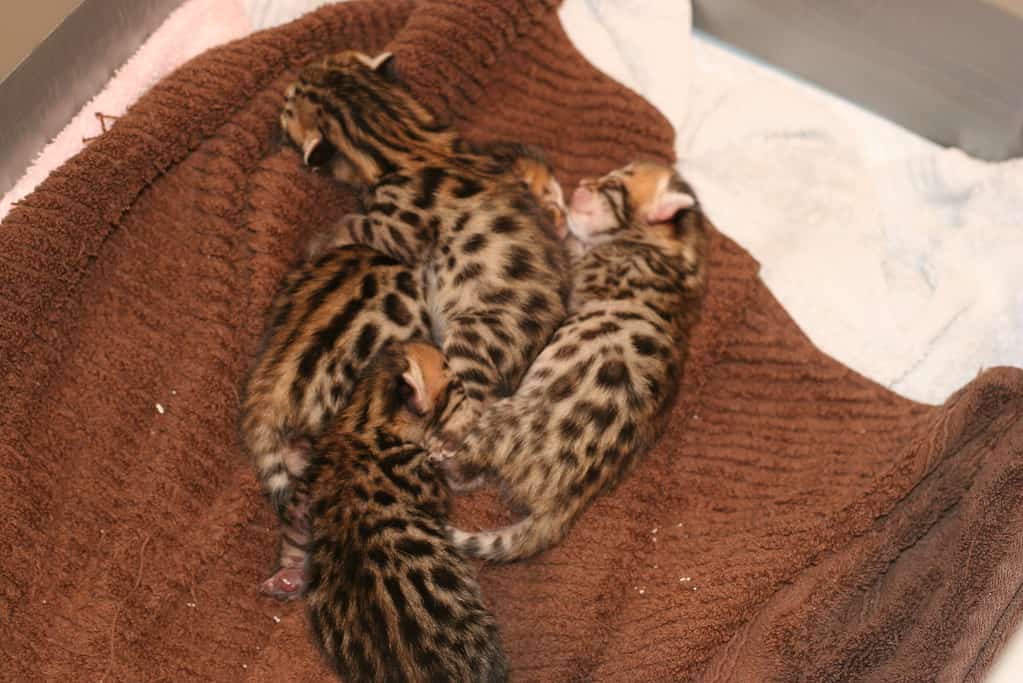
538, 174
530, 165
404, 390
350, 114
642, 200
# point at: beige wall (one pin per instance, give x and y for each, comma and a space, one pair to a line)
24, 24
1013, 6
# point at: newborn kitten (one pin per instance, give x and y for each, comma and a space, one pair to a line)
596, 398
333, 313
494, 276
390, 598
330, 317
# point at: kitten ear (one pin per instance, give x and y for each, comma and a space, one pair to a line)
420, 401
383, 63
316, 151
667, 204
309, 146
388, 68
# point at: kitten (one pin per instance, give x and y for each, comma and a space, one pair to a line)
330, 317
389, 597
494, 275
596, 398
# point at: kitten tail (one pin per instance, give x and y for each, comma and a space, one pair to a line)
525, 538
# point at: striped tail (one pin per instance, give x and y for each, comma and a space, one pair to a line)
525, 538
279, 461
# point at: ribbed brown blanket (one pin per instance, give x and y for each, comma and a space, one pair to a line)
797, 522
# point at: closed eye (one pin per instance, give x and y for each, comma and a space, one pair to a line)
614, 191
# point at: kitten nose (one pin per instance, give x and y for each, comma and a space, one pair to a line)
581, 197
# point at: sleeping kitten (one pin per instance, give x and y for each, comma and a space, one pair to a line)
331, 316
494, 276
389, 597
596, 398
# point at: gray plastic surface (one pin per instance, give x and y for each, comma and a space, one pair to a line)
950, 70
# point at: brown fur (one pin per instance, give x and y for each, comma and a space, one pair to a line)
495, 276
389, 597
331, 315
595, 399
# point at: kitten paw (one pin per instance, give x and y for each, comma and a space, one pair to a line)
458, 479
439, 457
442, 447
460, 484
337, 236
287, 583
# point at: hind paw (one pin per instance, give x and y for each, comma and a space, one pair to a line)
458, 479
287, 583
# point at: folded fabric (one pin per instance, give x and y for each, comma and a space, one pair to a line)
898, 257
195, 26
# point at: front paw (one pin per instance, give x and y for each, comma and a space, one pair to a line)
559, 220
442, 447
460, 480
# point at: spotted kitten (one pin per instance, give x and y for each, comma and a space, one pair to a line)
596, 398
495, 276
329, 318
389, 597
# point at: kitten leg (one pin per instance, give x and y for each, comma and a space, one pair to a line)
477, 376
405, 241
468, 464
479, 348
288, 581
488, 353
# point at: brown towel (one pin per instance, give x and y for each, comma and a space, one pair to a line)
797, 522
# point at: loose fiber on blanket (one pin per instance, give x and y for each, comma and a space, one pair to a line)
796, 522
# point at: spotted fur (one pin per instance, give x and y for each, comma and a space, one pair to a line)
595, 399
329, 318
494, 275
389, 597
331, 315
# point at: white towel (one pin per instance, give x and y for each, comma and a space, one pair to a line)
900, 258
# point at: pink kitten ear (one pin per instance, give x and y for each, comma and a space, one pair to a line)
316, 151
309, 149
420, 401
667, 204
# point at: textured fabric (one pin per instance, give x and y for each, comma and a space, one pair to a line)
189, 30
930, 237
796, 522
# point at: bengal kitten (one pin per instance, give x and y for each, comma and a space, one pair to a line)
494, 274
389, 597
329, 318
596, 398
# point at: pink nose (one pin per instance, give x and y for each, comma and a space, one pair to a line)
581, 197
